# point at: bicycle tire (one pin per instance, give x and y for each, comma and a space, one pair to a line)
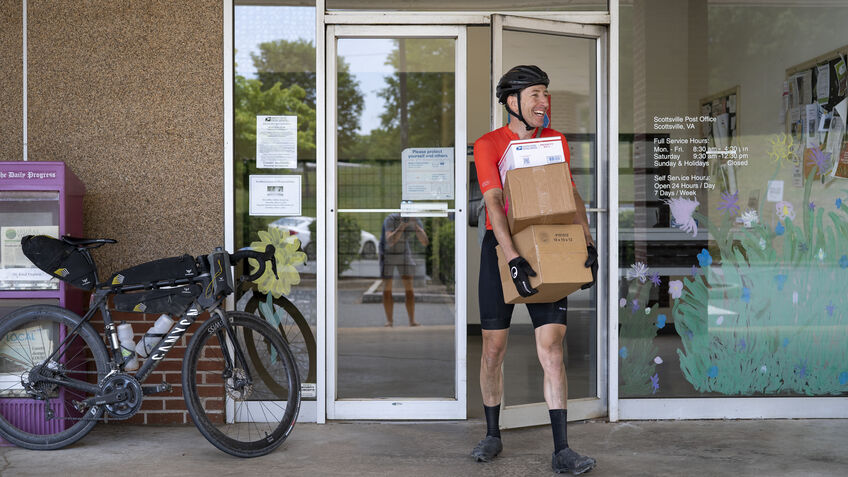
23, 419
215, 404
296, 331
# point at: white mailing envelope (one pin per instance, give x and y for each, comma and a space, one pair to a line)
530, 153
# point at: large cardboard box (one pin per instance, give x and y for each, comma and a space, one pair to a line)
557, 254
541, 195
530, 153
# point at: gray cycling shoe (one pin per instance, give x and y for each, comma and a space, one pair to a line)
567, 460
487, 449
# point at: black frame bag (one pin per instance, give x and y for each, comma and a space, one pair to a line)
173, 301
60, 260
172, 268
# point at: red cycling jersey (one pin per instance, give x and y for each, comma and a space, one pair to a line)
488, 151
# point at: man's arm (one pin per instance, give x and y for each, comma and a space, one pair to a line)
581, 217
421, 234
494, 199
393, 235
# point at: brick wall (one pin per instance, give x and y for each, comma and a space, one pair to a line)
165, 408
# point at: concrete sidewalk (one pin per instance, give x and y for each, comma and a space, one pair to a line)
640, 448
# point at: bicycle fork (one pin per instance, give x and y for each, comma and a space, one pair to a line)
240, 380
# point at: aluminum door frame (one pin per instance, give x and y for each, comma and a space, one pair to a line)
400, 408
534, 414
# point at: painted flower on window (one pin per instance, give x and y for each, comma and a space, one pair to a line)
704, 258
784, 210
286, 255
819, 159
781, 147
675, 289
749, 218
655, 279
681, 212
638, 270
729, 203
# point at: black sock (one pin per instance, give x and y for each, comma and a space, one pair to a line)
493, 413
558, 423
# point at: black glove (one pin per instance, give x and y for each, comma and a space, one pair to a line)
591, 261
521, 271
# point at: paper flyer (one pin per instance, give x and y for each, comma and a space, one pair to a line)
276, 142
811, 122
275, 195
823, 83
427, 173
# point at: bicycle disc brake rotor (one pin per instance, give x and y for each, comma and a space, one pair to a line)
131, 403
237, 388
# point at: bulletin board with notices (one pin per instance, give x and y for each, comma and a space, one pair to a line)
815, 111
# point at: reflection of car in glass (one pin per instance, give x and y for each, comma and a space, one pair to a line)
299, 227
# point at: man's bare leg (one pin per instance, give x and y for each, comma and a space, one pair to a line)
549, 341
388, 301
491, 387
410, 300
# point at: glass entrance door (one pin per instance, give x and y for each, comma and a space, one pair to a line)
395, 189
574, 57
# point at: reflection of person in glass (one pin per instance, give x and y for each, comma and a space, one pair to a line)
524, 92
396, 253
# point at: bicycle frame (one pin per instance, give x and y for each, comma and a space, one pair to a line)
162, 348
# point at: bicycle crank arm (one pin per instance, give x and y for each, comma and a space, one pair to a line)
156, 388
110, 398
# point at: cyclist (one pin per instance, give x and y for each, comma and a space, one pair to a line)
524, 93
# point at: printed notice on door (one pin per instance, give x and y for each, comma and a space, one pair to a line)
427, 173
276, 142
275, 195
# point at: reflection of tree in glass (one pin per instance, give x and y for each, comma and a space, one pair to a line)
292, 63
420, 95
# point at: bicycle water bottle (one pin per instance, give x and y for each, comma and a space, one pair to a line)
125, 336
153, 335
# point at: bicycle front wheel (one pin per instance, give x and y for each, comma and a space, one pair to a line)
37, 414
244, 408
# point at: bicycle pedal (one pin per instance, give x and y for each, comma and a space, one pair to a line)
156, 388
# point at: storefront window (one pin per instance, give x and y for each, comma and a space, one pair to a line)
274, 167
469, 5
733, 209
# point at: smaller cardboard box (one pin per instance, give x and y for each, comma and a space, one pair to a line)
557, 254
530, 153
541, 195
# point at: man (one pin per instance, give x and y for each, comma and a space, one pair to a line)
523, 91
396, 253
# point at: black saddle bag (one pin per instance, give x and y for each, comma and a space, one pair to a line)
60, 260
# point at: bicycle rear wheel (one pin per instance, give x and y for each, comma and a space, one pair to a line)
40, 415
240, 417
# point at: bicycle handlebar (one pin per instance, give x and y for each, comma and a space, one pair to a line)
261, 257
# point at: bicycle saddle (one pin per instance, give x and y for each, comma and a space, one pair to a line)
85, 241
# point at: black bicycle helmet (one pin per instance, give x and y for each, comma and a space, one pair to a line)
514, 81
518, 78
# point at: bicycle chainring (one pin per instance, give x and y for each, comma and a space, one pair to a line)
131, 403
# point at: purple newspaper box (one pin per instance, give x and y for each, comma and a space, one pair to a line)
35, 198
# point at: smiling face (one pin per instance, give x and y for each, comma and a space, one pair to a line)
534, 103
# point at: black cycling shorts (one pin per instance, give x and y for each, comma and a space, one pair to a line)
494, 313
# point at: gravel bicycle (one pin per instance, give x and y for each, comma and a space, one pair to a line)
58, 378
